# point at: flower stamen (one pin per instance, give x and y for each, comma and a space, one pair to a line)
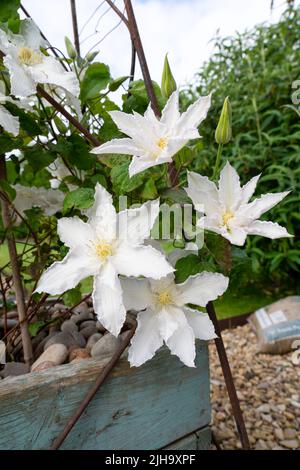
164, 298
104, 250
226, 217
28, 56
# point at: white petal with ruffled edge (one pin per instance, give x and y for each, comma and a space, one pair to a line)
74, 232
229, 188
137, 294
108, 299
102, 215
202, 288
201, 324
141, 261
124, 146
146, 340
22, 84
66, 274
182, 344
267, 229
9, 122
135, 225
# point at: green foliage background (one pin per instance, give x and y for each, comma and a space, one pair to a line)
257, 70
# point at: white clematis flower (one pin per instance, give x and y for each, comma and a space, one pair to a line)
168, 318
49, 200
27, 65
227, 209
107, 245
154, 141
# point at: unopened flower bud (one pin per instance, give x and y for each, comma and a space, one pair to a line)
223, 132
70, 48
168, 84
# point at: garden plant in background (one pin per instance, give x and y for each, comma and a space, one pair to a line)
87, 237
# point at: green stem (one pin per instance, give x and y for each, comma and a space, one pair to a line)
218, 161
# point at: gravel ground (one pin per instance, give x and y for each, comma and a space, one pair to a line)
268, 387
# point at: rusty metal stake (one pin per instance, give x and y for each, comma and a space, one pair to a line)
235, 404
93, 390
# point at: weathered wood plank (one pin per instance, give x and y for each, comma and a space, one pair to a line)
137, 408
199, 440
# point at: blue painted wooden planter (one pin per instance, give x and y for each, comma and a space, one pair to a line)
162, 404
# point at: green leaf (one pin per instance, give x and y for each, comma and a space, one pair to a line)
9, 9
81, 198
7, 143
76, 151
149, 190
38, 157
8, 190
96, 78
115, 84
191, 265
122, 183
72, 296
35, 327
139, 99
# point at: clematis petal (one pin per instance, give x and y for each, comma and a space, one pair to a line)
248, 189
170, 319
66, 274
229, 188
102, 215
236, 236
136, 224
173, 146
51, 71
202, 288
267, 229
31, 34
170, 113
202, 192
182, 345
146, 340
194, 115
4, 42
137, 294
127, 123
9, 122
21, 82
259, 206
108, 299
143, 162
200, 323
123, 146
141, 261
74, 232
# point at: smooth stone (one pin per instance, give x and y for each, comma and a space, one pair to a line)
86, 323
44, 366
68, 326
82, 307
100, 327
265, 408
40, 346
56, 353
93, 340
88, 331
67, 339
290, 443
14, 369
290, 433
81, 317
10, 323
81, 353
105, 346
279, 434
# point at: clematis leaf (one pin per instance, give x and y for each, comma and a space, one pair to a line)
96, 78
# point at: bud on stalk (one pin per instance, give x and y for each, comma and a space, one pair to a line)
70, 48
223, 132
168, 84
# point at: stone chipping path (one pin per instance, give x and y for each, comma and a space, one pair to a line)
268, 387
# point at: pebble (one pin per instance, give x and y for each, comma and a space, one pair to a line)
86, 323
67, 339
68, 326
268, 386
81, 317
93, 340
290, 443
56, 353
105, 346
14, 369
88, 331
79, 353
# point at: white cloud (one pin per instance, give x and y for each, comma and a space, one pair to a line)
183, 28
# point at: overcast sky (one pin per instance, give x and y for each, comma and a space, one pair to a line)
183, 28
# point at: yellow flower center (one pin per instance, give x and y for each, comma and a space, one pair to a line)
29, 57
162, 143
227, 216
104, 250
164, 298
